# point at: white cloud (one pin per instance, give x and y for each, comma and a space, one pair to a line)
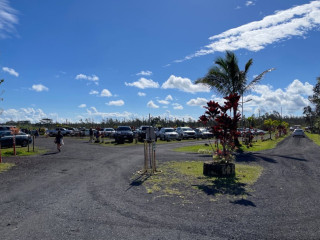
8, 19
297, 87
141, 94
92, 111
144, 73
292, 99
93, 92
151, 104
23, 114
105, 93
169, 98
143, 83
168, 115
249, 3
11, 71
82, 105
177, 106
39, 88
163, 102
184, 84
197, 102
116, 103
92, 78
254, 36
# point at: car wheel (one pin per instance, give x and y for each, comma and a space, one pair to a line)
24, 143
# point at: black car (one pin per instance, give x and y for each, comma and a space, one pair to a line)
123, 133
142, 132
22, 139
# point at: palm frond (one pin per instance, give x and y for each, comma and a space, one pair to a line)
257, 79
248, 65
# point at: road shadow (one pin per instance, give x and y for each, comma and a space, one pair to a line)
253, 157
50, 153
244, 202
288, 157
230, 186
138, 181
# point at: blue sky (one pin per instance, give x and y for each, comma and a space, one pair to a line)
80, 59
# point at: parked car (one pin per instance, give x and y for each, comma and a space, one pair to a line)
298, 133
22, 139
73, 131
108, 132
86, 132
142, 132
168, 134
203, 133
186, 132
64, 132
123, 133
7, 128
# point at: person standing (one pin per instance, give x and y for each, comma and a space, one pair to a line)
59, 140
91, 135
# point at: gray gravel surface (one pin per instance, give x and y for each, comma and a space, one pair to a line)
84, 192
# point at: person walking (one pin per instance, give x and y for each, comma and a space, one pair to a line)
91, 135
59, 140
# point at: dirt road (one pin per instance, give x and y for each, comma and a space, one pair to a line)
84, 192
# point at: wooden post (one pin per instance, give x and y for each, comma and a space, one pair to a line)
14, 144
154, 167
28, 144
33, 143
0, 154
145, 156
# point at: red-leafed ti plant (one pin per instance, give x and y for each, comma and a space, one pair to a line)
225, 126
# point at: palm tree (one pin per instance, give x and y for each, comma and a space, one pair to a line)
226, 77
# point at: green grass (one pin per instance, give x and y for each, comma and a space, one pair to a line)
186, 180
256, 146
314, 137
5, 166
262, 145
21, 151
111, 142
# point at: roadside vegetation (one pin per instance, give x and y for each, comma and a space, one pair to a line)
256, 146
21, 151
314, 137
186, 179
5, 166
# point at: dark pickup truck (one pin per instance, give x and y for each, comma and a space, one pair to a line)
123, 133
142, 132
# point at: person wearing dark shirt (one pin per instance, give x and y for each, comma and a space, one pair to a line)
91, 135
59, 140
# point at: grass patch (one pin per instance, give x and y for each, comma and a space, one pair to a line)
21, 151
314, 137
262, 145
111, 142
256, 146
5, 166
186, 179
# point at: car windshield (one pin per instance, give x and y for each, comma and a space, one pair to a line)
169, 130
298, 130
5, 134
109, 129
186, 129
124, 129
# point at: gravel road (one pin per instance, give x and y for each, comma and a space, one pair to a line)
84, 192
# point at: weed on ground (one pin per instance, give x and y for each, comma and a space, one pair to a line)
186, 180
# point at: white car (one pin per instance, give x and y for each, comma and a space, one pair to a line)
298, 133
168, 134
186, 132
108, 132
